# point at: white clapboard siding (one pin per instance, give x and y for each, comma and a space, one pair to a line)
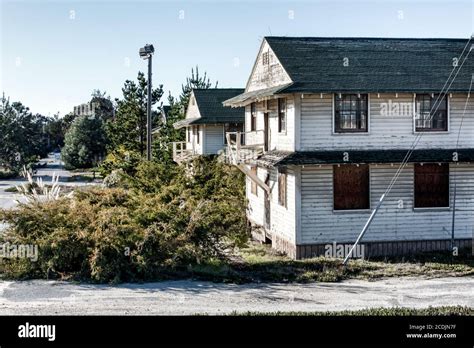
199, 147
283, 219
257, 136
281, 141
385, 131
256, 202
214, 139
267, 75
320, 224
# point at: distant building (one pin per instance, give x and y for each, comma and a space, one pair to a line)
86, 109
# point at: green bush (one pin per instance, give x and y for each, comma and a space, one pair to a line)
166, 220
120, 159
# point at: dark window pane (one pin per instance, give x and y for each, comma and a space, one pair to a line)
351, 112
253, 117
431, 113
281, 115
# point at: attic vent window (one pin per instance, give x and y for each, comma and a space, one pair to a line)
266, 58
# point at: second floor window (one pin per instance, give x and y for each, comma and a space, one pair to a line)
282, 115
253, 117
431, 113
351, 113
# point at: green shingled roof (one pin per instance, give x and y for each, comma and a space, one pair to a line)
374, 64
284, 158
209, 102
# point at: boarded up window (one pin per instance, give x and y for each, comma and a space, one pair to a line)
431, 185
351, 187
282, 115
253, 187
253, 117
282, 188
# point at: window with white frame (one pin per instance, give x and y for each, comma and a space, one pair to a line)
431, 113
351, 113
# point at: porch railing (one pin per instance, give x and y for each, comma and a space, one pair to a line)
181, 152
244, 147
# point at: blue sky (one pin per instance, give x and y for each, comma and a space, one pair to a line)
54, 53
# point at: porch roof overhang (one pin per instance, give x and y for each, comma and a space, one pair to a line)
283, 159
249, 97
202, 120
185, 122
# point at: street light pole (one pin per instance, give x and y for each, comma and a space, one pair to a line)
147, 53
148, 116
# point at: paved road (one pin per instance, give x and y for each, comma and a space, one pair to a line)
41, 297
7, 199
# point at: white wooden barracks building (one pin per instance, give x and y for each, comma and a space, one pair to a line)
328, 121
206, 123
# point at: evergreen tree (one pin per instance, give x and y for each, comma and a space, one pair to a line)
84, 143
22, 135
128, 128
193, 82
104, 106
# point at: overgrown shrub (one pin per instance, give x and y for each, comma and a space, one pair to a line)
120, 159
165, 220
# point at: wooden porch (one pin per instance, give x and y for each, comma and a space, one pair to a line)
181, 153
243, 149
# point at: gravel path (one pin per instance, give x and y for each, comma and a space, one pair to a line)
41, 297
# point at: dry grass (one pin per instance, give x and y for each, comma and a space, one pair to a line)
260, 263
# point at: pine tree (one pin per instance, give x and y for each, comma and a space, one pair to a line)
128, 128
84, 143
